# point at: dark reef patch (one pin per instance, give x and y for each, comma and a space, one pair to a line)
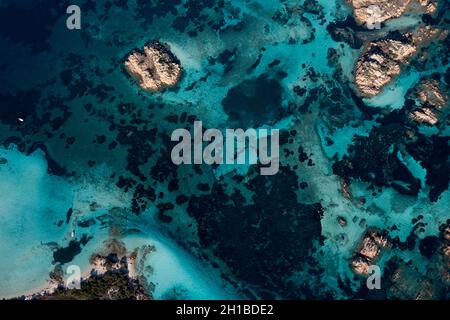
69, 215
263, 242
374, 159
20, 105
148, 10
253, 102
66, 254
346, 31
31, 24
433, 154
140, 147
428, 246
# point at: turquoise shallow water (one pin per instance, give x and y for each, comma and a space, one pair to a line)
89, 161
36, 224
32, 204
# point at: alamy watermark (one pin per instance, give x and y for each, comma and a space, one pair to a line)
374, 280
73, 280
236, 147
73, 22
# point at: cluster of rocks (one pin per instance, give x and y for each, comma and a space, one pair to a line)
402, 280
382, 58
155, 67
103, 264
368, 251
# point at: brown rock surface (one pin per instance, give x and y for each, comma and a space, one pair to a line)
382, 59
430, 6
379, 63
432, 100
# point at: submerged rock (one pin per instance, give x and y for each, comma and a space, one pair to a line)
408, 284
404, 281
342, 221
433, 102
155, 67
444, 255
430, 93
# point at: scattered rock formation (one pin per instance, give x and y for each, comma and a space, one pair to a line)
444, 254
405, 282
424, 115
368, 251
381, 59
408, 284
155, 67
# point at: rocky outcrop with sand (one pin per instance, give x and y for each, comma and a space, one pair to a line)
379, 11
382, 10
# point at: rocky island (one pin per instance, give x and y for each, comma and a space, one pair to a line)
155, 67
